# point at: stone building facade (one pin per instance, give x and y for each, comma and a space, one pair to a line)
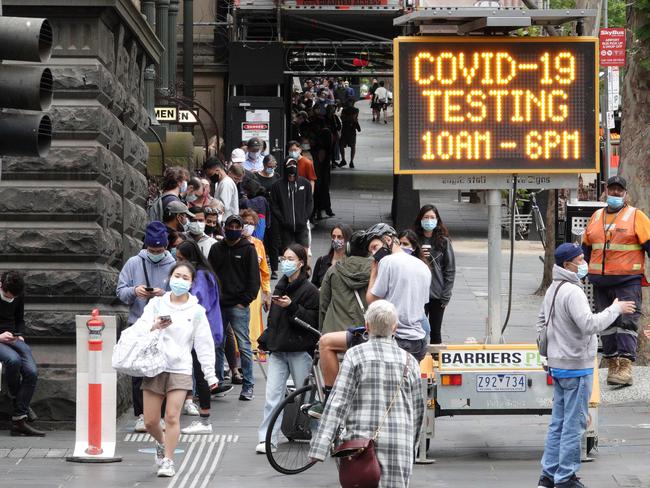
70, 220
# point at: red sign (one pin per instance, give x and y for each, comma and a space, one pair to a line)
612, 47
342, 3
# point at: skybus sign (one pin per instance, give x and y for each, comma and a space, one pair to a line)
496, 105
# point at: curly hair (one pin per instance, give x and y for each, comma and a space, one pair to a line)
12, 282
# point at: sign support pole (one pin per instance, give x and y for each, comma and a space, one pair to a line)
493, 333
604, 109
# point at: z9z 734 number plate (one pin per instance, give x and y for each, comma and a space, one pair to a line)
500, 382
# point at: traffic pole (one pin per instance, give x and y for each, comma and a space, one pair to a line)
95, 432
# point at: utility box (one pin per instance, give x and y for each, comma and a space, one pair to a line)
262, 117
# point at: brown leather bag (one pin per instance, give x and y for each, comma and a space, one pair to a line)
357, 460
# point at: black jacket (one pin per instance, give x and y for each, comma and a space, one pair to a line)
238, 271
282, 333
12, 315
323, 263
443, 269
292, 203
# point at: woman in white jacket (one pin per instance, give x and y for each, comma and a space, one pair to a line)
182, 323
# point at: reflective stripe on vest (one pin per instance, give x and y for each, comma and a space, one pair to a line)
622, 254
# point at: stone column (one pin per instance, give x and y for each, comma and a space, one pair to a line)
172, 45
71, 220
149, 11
162, 27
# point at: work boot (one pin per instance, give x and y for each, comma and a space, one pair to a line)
612, 370
20, 428
623, 376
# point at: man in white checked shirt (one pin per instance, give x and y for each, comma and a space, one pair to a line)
372, 374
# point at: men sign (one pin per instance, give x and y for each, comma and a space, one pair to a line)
496, 105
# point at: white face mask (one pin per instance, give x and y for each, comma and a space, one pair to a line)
4, 298
196, 228
248, 229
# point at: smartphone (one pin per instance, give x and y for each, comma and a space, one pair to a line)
381, 254
165, 318
17, 334
276, 297
148, 289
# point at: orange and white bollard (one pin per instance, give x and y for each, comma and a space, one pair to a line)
96, 391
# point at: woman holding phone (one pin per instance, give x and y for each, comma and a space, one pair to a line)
289, 344
439, 254
183, 325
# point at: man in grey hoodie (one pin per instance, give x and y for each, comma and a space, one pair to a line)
571, 330
143, 277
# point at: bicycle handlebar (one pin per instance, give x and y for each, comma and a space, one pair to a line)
306, 326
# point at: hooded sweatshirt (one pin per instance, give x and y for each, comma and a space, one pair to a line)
339, 307
206, 290
133, 275
238, 270
572, 330
292, 203
189, 329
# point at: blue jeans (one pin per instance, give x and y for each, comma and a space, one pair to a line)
280, 365
238, 319
561, 458
21, 373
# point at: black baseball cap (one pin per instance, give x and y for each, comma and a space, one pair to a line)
234, 218
617, 180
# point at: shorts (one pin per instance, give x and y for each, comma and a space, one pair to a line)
416, 348
165, 382
356, 336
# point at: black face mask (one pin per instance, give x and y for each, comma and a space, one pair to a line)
214, 178
381, 253
210, 229
292, 171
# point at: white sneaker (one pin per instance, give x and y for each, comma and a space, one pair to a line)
160, 453
139, 424
197, 427
190, 408
261, 448
166, 469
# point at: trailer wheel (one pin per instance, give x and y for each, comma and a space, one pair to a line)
591, 443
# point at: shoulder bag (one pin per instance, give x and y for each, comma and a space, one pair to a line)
357, 459
542, 337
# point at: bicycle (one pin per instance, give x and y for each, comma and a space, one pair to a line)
540, 227
292, 457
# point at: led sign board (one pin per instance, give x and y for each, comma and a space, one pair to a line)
496, 105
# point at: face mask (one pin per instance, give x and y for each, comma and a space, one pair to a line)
232, 234
306, 147
248, 229
172, 251
429, 224
155, 258
4, 297
583, 270
191, 198
184, 186
381, 254
253, 155
407, 250
615, 202
179, 286
186, 225
294, 154
337, 244
288, 267
196, 228
269, 171
210, 229
292, 170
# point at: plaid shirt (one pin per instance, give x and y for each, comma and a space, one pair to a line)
369, 377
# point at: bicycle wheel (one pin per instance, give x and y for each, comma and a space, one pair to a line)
292, 456
539, 225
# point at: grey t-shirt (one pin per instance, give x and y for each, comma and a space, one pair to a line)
404, 281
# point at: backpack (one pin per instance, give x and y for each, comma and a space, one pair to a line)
155, 211
542, 337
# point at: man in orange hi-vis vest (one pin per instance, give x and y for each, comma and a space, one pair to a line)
615, 244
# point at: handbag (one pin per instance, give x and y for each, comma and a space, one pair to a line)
357, 459
542, 336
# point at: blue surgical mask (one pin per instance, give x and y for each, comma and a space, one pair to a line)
429, 224
179, 286
288, 268
191, 198
269, 171
155, 258
294, 154
583, 270
184, 186
252, 155
172, 251
615, 202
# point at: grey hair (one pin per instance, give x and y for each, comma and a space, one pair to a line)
381, 317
